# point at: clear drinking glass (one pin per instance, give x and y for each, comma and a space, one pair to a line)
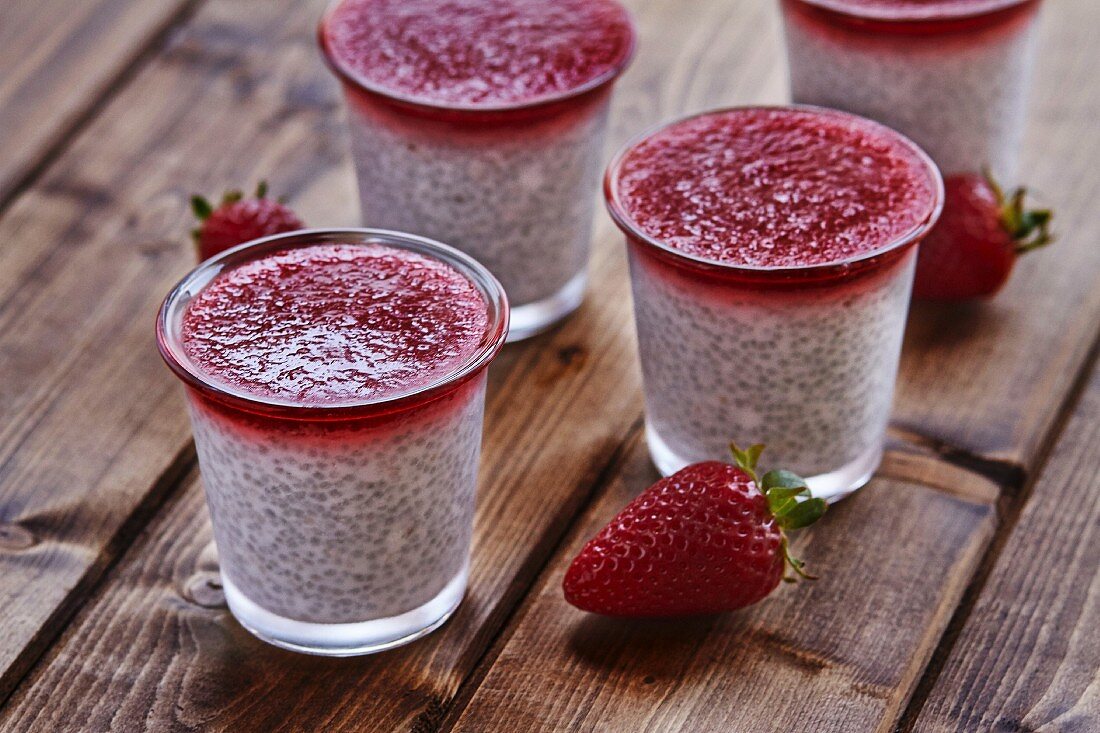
954, 77
340, 530
513, 185
802, 359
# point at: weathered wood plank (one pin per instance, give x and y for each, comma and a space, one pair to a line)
558, 407
58, 59
1028, 657
1031, 361
248, 97
91, 425
991, 378
839, 654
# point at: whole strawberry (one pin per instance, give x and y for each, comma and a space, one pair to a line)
704, 540
238, 219
971, 250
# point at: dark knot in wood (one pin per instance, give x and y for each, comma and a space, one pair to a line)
205, 589
15, 538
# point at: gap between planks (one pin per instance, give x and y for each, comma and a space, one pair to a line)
910, 457
903, 460
491, 651
170, 482
139, 58
543, 611
1009, 509
121, 408
900, 462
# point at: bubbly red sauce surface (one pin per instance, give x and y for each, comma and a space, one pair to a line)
478, 53
775, 187
902, 10
334, 324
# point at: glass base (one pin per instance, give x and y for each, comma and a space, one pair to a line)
832, 486
527, 320
347, 639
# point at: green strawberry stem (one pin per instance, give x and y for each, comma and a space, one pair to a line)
201, 207
1029, 228
789, 498
797, 565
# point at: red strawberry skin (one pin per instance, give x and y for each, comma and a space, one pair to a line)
236, 222
969, 253
701, 541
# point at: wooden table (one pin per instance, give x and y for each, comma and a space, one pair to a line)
959, 592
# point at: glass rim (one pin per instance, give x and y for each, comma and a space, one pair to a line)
353, 79
625, 222
170, 316
977, 9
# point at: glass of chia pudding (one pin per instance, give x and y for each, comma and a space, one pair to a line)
481, 123
953, 75
771, 256
336, 383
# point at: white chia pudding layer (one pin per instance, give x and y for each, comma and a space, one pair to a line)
961, 96
808, 373
342, 524
517, 199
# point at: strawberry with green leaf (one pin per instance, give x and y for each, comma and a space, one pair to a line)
709, 538
238, 219
971, 251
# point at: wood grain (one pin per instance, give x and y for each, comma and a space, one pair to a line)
838, 654
58, 59
1028, 657
91, 425
991, 378
92, 431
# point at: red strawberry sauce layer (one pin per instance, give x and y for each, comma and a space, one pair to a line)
908, 10
916, 17
774, 187
478, 53
334, 324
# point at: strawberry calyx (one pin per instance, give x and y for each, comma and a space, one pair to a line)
790, 500
203, 209
1029, 228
